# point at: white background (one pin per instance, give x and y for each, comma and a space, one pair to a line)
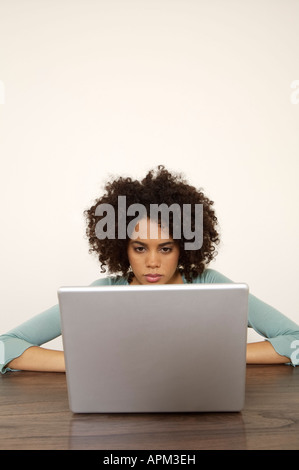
93, 88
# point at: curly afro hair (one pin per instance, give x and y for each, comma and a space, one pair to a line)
159, 186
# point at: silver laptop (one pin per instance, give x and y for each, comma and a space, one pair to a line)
167, 348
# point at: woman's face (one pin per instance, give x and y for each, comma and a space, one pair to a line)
153, 260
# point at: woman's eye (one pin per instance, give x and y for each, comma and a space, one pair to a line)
166, 249
139, 249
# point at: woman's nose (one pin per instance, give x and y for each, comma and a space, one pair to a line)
153, 260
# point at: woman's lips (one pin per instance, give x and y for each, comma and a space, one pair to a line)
152, 277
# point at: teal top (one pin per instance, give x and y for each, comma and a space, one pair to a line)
282, 332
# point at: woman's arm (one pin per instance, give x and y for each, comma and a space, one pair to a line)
281, 332
18, 345
19, 348
39, 359
263, 352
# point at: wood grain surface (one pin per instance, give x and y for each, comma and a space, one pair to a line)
34, 414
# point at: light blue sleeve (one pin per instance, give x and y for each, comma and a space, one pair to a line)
275, 327
34, 332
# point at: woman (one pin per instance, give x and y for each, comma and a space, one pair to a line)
136, 257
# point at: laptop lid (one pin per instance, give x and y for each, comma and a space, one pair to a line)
167, 348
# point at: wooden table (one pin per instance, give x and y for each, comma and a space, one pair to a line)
34, 414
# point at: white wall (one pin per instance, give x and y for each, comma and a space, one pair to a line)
111, 87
